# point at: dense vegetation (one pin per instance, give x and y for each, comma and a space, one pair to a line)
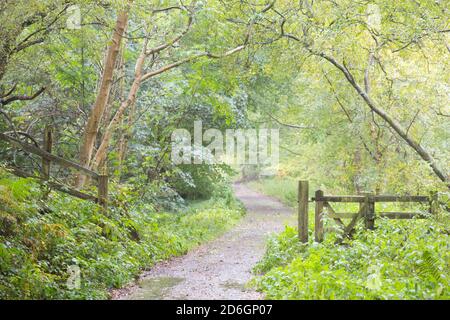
359, 91
37, 248
399, 260
74, 66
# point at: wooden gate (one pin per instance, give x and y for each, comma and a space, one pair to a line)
366, 210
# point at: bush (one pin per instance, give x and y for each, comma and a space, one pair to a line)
199, 181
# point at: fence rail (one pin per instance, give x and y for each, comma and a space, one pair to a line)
366, 210
48, 158
374, 198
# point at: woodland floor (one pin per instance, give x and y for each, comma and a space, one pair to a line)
221, 268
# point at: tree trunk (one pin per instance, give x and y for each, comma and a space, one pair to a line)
92, 126
123, 141
131, 99
125, 136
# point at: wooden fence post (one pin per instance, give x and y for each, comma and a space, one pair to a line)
103, 190
318, 225
303, 211
434, 204
369, 211
48, 143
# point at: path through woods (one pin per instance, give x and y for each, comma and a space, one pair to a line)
220, 268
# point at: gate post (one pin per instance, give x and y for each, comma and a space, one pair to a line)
303, 211
103, 189
318, 225
434, 205
369, 211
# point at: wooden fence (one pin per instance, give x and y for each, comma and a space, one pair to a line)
48, 158
366, 210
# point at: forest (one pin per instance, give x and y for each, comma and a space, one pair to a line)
96, 202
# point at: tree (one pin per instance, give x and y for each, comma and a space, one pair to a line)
140, 75
20, 32
93, 122
320, 34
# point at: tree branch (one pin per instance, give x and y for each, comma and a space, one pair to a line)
289, 150
10, 91
167, 9
25, 43
287, 124
189, 59
386, 117
173, 41
6, 101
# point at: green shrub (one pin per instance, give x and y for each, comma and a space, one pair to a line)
199, 181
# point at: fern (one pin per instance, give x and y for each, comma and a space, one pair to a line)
429, 266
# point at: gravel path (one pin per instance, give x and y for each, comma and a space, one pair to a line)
218, 269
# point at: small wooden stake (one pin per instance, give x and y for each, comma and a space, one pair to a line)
369, 212
303, 211
318, 225
103, 190
434, 203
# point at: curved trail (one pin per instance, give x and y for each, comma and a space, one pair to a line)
218, 269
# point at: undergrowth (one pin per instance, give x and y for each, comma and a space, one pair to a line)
401, 259
397, 261
39, 247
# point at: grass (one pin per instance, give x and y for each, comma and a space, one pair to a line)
284, 189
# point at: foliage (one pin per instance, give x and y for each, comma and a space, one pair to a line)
399, 260
329, 135
37, 248
200, 181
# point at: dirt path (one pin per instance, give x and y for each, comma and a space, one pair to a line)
220, 268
